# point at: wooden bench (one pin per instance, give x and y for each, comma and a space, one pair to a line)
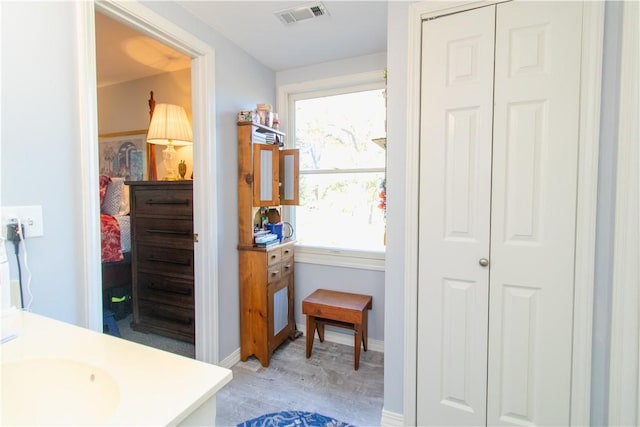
341, 309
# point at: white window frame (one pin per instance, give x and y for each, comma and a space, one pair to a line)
287, 95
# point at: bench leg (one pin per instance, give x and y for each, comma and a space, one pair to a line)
365, 332
320, 326
311, 332
356, 346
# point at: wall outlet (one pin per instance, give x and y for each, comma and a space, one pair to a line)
30, 217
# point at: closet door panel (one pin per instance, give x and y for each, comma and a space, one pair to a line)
455, 181
537, 76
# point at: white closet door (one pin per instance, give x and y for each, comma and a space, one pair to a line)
535, 146
455, 181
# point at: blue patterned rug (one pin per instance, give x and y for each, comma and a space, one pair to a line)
293, 419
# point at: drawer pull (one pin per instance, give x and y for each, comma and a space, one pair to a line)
174, 232
275, 273
169, 261
287, 251
287, 266
167, 202
169, 289
172, 317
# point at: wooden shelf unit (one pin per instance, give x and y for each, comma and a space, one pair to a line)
266, 276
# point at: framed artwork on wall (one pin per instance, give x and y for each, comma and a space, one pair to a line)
124, 154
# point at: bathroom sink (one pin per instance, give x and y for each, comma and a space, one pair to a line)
56, 391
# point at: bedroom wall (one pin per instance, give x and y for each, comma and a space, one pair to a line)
40, 127
124, 107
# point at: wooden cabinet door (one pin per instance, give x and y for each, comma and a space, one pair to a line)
266, 163
280, 312
289, 176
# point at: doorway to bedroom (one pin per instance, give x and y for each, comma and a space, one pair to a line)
134, 74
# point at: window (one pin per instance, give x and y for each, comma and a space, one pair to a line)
342, 170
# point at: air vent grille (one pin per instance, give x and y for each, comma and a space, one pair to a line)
302, 13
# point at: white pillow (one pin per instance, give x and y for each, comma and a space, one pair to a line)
124, 202
113, 199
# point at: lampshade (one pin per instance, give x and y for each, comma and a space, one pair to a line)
169, 126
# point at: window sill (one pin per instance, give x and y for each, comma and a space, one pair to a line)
365, 260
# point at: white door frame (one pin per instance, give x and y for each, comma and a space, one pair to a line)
148, 22
624, 377
591, 79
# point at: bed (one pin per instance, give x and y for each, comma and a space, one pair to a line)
115, 231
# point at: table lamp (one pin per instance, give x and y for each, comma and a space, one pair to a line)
169, 126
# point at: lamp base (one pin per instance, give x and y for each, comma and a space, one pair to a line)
169, 157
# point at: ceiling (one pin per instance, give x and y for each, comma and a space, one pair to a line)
351, 28
123, 54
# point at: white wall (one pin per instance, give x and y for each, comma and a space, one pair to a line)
309, 277
605, 215
397, 36
40, 156
326, 70
124, 106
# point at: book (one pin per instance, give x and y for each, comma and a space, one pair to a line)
269, 237
268, 244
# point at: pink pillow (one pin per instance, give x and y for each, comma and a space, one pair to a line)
104, 183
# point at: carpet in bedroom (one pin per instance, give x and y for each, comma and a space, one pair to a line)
153, 340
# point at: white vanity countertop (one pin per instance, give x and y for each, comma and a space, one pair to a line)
155, 387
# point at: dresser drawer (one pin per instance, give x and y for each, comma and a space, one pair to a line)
274, 273
274, 256
165, 231
178, 202
165, 289
162, 260
179, 320
286, 266
287, 252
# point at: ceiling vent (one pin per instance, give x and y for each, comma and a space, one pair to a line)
302, 13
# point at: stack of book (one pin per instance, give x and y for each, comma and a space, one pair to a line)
266, 137
267, 239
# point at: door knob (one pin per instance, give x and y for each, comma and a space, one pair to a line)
483, 262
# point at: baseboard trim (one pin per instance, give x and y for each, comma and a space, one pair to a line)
229, 361
346, 339
331, 336
391, 419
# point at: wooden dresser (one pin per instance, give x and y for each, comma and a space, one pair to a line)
162, 258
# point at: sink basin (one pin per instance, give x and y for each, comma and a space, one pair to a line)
56, 391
